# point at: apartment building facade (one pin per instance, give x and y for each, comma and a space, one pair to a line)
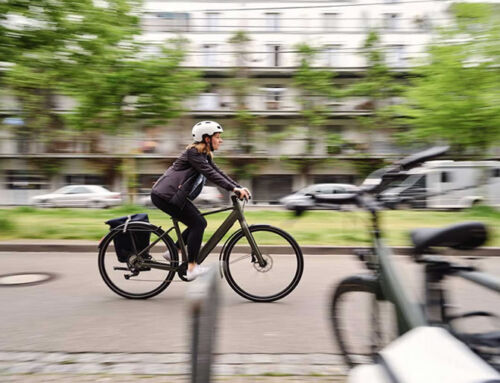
275, 28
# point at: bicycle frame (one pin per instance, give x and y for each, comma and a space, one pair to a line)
236, 215
409, 314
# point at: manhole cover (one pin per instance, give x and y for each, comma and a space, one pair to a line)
25, 279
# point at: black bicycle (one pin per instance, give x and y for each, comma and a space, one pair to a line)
261, 263
390, 308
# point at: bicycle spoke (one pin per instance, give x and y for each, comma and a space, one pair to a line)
239, 259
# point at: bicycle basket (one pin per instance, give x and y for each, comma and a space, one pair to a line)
124, 247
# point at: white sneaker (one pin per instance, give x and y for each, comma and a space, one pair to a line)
166, 255
196, 272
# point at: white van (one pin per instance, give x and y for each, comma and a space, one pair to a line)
448, 185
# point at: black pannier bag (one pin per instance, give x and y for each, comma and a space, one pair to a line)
123, 242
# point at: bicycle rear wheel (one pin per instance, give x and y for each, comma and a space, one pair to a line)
131, 279
361, 332
280, 275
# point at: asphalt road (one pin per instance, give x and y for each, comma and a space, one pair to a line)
76, 312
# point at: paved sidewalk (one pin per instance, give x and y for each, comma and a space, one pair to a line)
161, 379
166, 367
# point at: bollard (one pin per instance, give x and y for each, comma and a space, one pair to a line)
203, 297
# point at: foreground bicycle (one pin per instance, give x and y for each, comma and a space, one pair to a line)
261, 263
388, 301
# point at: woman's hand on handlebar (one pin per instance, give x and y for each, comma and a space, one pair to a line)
242, 193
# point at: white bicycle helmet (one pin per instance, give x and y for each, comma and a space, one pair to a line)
205, 127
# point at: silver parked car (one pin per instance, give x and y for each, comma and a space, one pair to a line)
78, 196
303, 199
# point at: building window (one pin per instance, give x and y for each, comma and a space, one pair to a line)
495, 173
273, 21
391, 21
396, 56
209, 101
175, 21
274, 55
212, 19
209, 55
84, 179
26, 180
275, 128
331, 54
274, 96
445, 177
330, 21
423, 22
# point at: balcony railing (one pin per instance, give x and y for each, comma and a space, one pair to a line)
288, 25
274, 101
264, 146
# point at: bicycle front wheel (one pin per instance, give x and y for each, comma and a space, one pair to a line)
362, 322
127, 277
280, 275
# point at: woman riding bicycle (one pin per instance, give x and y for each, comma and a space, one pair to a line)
182, 182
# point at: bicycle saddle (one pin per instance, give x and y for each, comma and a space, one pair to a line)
461, 236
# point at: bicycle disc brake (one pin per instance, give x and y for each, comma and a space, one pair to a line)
268, 266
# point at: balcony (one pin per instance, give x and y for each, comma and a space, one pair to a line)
271, 101
277, 24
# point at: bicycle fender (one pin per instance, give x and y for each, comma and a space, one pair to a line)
223, 250
367, 280
103, 239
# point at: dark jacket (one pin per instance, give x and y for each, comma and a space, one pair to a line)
176, 184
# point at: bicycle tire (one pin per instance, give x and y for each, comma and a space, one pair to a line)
290, 249
104, 254
363, 283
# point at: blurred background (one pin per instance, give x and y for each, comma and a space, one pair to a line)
104, 93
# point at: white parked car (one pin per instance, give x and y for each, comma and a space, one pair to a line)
303, 199
210, 196
78, 196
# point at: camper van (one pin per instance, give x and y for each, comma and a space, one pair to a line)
447, 185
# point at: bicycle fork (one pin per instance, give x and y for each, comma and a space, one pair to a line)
256, 253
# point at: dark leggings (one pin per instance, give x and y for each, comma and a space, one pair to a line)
189, 216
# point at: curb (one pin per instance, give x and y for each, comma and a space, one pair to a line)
23, 362
91, 247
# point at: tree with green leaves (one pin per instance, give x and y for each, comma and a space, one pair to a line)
377, 86
246, 123
88, 50
315, 87
124, 91
50, 44
454, 96
241, 86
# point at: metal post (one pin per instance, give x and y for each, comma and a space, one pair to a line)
203, 295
